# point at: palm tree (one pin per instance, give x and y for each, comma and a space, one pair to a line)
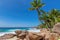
50, 18
37, 5
46, 18
54, 16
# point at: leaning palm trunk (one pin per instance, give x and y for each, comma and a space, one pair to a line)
38, 13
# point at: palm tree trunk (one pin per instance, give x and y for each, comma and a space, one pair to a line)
39, 14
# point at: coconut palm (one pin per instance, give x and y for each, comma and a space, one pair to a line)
54, 16
50, 18
47, 19
37, 5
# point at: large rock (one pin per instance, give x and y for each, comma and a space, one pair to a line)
22, 35
34, 36
45, 33
56, 28
53, 36
42, 35
27, 38
18, 32
7, 36
2, 39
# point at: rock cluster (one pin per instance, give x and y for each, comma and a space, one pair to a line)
6, 36
44, 34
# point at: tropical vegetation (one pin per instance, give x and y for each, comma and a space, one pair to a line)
47, 19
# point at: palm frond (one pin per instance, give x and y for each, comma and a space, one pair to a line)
42, 11
41, 5
31, 8
33, 4
38, 1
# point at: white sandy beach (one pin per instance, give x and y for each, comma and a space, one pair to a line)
15, 38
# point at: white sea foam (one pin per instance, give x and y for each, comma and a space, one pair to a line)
3, 33
34, 30
13, 31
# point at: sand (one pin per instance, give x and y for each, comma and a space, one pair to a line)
14, 38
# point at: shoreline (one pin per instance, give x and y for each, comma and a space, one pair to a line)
30, 34
13, 31
15, 27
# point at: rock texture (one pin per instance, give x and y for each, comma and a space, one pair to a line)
7, 36
44, 34
53, 36
56, 28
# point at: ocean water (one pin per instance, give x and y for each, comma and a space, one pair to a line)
14, 29
9, 30
6, 30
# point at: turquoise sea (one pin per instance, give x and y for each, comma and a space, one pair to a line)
11, 29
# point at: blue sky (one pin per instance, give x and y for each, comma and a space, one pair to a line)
15, 13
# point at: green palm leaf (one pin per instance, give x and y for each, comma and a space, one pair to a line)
41, 5
39, 1
31, 8
33, 4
